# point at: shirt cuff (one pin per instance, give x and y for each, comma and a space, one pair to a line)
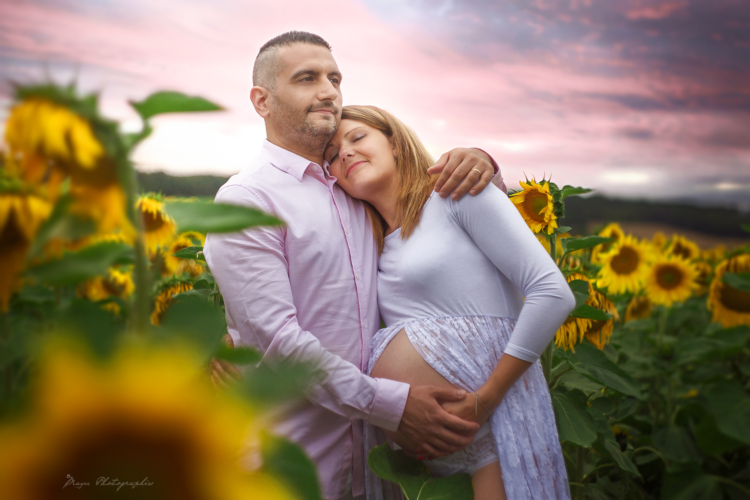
389, 404
497, 180
521, 353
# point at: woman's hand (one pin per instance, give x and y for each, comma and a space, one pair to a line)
467, 409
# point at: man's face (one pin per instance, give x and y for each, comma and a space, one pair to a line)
307, 99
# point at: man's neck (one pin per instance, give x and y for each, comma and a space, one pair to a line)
315, 157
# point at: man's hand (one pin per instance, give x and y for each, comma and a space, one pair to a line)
222, 371
435, 431
471, 168
468, 409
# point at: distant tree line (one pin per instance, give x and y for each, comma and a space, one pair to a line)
579, 211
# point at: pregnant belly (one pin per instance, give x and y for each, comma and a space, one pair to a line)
400, 361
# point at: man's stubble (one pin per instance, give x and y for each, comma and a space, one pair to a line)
305, 134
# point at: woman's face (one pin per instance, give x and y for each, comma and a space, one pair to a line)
362, 160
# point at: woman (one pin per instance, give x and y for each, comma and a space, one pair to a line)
470, 299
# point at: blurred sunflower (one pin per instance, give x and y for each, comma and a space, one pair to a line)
703, 279
143, 417
164, 294
159, 228
659, 241
536, 206
730, 306
117, 283
715, 254
639, 307
599, 332
625, 266
106, 205
21, 214
175, 265
612, 230
683, 247
571, 332
44, 138
671, 279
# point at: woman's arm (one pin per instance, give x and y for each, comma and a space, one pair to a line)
497, 228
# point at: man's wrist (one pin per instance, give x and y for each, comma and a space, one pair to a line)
389, 403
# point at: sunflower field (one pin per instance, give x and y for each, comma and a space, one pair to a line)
109, 317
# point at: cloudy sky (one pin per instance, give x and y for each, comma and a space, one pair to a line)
645, 98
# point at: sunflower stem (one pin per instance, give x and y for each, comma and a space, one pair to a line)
139, 313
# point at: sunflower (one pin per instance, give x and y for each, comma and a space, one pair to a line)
164, 295
659, 241
117, 283
671, 279
639, 307
683, 247
105, 205
612, 230
571, 332
715, 254
730, 307
21, 214
625, 266
140, 418
599, 332
703, 279
44, 139
175, 265
536, 206
159, 228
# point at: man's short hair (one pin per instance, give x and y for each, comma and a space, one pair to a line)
267, 65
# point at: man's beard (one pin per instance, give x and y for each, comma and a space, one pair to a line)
310, 136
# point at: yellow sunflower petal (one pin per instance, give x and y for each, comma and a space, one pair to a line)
730, 306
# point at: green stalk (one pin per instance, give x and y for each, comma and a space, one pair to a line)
139, 313
5, 335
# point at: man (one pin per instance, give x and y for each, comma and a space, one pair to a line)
307, 291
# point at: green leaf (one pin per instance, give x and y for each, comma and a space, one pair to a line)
580, 289
265, 386
739, 281
711, 441
207, 217
289, 463
730, 407
572, 191
172, 102
96, 327
574, 380
192, 318
582, 242
622, 460
563, 229
238, 355
573, 421
590, 312
690, 485
75, 267
61, 224
195, 253
725, 342
745, 227
594, 364
202, 284
676, 444
414, 478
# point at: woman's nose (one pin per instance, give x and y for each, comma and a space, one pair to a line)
345, 154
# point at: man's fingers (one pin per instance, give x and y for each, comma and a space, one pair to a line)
453, 174
469, 180
230, 369
448, 394
482, 183
439, 165
460, 425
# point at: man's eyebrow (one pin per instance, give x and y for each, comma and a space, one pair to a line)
303, 72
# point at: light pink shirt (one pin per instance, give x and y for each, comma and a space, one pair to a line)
307, 291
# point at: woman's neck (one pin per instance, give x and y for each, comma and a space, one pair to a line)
385, 201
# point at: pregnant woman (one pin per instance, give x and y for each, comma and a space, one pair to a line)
470, 299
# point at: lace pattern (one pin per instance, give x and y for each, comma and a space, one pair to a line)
465, 350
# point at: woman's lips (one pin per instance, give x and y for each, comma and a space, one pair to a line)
352, 166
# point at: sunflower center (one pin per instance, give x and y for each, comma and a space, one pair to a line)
11, 236
682, 251
112, 287
626, 261
152, 221
641, 307
669, 276
534, 204
734, 299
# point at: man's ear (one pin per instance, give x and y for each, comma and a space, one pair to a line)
259, 96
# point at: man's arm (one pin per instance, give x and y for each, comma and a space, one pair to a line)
465, 170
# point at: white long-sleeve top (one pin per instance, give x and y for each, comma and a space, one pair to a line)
475, 257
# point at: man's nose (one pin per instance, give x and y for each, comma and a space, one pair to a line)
328, 92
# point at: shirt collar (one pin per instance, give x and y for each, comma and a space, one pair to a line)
286, 161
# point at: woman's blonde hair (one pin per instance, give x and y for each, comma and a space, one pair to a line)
412, 162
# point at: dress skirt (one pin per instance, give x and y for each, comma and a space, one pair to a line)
465, 350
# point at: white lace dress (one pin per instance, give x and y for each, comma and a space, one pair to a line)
457, 288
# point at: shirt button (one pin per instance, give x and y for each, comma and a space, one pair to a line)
358, 276
346, 230
363, 324
315, 167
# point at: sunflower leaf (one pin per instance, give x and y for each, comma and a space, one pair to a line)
739, 281
288, 462
75, 267
572, 191
575, 244
172, 102
208, 217
573, 421
195, 253
580, 290
237, 355
586, 311
594, 364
